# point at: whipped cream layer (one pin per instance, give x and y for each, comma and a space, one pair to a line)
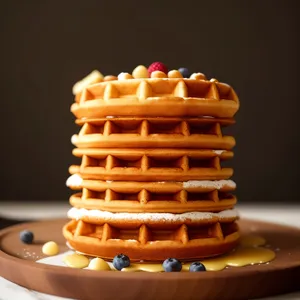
74, 181
80, 213
215, 184
219, 152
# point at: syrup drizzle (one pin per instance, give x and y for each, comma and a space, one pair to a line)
249, 252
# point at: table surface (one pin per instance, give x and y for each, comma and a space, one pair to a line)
282, 214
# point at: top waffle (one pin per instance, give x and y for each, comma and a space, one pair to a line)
161, 95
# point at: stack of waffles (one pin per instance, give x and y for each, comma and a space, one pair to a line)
151, 182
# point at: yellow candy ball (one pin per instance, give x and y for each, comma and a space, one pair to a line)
99, 264
50, 248
198, 76
174, 74
140, 72
124, 76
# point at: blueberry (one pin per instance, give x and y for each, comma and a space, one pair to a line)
197, 267
184, 72
26, 236
121, 261
172, 265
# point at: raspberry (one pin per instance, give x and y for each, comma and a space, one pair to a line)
157, 66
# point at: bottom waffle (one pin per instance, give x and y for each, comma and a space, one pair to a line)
153, 242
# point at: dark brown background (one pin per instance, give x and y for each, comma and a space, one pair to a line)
46, 46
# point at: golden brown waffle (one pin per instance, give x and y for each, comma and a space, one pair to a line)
167, 197
203, 133
156, 97
151, 178
152, 243
151, 164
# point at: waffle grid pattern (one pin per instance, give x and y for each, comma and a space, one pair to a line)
145, 145
181, 96
150, 243
156, 165
149, 88
148, 127
145, 197
145, 234
151, 133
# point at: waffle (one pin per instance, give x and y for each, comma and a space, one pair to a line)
151, 182
156, 97
151, 164
167, 197
203, 133
152, 243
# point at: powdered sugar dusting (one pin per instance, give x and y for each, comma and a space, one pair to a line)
79, 213
215, 184
74, 181
227, 214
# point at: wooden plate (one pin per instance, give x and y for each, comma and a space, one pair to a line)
17, 264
